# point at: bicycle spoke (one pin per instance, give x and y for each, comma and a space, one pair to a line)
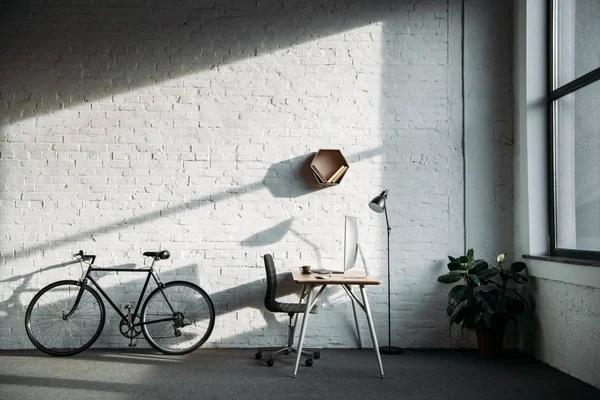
55, 327
189, 307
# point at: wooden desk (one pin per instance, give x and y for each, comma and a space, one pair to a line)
346, 281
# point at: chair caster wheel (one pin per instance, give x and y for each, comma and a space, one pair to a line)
286, 352
258, 355
270, 362
316, 355
309, 362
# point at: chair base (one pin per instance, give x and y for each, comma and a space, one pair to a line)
288, 350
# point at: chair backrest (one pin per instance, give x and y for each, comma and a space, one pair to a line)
270, 303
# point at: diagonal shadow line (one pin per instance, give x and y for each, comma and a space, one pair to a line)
192, 204
276, 233
198, 29
72, 384
142, 218
30, 275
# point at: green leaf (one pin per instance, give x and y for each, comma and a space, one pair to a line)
487, 274
459, 313
457, 294
463, 259
474, 279
450, 309
519, 296
449, 278
518, 266
454, 266
470, 253
452, 259
489, 300
479, 265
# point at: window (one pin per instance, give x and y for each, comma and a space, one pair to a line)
574, 128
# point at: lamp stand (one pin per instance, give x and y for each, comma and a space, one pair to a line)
389, 349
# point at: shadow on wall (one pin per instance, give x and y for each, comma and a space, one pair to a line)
248, 295
276, 233
63, 54
286, 179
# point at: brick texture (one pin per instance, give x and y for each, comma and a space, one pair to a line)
139, 125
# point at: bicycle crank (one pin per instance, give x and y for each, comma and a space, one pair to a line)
130, 330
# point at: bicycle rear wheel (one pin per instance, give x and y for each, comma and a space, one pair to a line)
178, 318
50, 327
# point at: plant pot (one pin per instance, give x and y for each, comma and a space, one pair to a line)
490, 342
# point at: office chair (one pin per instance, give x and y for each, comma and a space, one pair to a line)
292, 310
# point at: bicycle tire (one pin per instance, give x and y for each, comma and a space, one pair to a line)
51, 332
178, 317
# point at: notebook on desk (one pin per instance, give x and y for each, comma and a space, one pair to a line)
326, 271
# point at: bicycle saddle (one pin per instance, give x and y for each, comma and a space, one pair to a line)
158, 255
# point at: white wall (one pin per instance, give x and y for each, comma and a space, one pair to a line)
564, 321
488, 128
188, 126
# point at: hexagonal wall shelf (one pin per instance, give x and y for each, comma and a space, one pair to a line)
329, 166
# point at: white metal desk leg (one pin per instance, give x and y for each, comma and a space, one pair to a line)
299, 302
363, 292
356, 322
309, 303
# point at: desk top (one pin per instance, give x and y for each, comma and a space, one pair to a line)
347, 278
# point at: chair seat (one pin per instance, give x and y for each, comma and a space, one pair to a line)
291, 309
295, 308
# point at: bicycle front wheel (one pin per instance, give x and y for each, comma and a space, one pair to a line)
178, 317
54, 327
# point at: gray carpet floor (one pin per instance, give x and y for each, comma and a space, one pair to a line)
236, 374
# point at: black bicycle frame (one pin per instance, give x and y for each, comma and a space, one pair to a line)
150, 273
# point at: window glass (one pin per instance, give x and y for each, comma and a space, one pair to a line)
577, 169
577, 48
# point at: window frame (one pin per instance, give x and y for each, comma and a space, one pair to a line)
554, 95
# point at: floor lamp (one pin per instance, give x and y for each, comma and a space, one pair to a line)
378, 204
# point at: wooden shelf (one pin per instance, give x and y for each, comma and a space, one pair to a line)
329, 167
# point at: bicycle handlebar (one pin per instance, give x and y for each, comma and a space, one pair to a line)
85, 256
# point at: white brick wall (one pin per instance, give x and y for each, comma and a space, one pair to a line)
139, 125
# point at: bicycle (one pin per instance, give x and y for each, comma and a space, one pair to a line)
67, 317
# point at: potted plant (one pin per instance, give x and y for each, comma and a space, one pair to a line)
483, 301
503, 304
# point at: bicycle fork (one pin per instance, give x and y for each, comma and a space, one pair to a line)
82, 283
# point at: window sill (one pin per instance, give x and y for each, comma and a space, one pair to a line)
578, 272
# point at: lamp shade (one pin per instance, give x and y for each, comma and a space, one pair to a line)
378, 203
